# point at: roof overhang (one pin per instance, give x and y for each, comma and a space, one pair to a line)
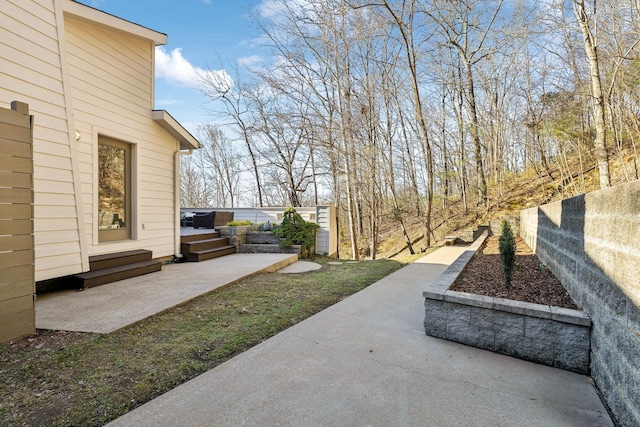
171, 125
95, 16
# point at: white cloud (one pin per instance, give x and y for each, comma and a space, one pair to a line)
176, 69
270, 8
273, 9
250, 60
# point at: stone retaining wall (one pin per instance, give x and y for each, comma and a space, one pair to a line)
237, 234
592, 244
551, 336
264, 242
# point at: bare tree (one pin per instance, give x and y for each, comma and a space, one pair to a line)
222, 164
404, 20
466, 26
598, 96
234, 96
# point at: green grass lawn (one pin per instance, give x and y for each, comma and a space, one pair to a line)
65, 378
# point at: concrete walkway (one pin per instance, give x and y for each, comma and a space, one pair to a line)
366, 361
110, 307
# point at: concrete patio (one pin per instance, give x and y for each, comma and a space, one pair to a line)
110, 307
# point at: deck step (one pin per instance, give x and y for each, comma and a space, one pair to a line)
196, 237
205, 254
119, 272
199, 245
99, 262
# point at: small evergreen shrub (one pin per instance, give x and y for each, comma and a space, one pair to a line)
507, 245
296, 231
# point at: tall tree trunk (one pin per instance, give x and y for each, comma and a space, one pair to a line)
475, 133
347, 140
590, 47
445, 154
406, 32
461, 137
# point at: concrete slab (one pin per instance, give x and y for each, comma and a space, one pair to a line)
300, 267
110, 307
367, 361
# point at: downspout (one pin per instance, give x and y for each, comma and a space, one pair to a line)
176, 183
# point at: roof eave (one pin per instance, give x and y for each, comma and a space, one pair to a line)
88, 13
171, 125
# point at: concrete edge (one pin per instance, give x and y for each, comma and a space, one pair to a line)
437, 288
280, 264
269, 269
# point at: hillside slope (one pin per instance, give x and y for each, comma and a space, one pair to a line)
515, 192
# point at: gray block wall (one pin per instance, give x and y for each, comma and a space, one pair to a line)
592, 244
550, 336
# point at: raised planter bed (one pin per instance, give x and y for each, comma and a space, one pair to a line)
552, 336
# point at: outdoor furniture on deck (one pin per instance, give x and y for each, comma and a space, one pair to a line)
212, 219
186, 219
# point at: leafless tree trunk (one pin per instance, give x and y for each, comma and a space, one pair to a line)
591, 48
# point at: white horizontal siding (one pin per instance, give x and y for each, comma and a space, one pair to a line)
323, 234
43, 81
122, 66
58, 162
30, 72
112, 77
52, 265
45, 225
52, 237
39, 17
110, 90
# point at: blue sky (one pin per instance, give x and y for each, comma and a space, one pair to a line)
202, 35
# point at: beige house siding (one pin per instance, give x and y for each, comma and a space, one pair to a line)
31, 70
81, 70
111, 78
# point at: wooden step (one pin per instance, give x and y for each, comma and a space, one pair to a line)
116, 273
99, 262
199, 245
205, 254
196, 237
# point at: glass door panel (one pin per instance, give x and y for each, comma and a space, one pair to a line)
113, 190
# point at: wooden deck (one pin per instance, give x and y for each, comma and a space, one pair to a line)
190, 231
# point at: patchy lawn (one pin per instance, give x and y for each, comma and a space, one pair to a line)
70, 378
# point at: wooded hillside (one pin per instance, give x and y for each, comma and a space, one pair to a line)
420, 117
